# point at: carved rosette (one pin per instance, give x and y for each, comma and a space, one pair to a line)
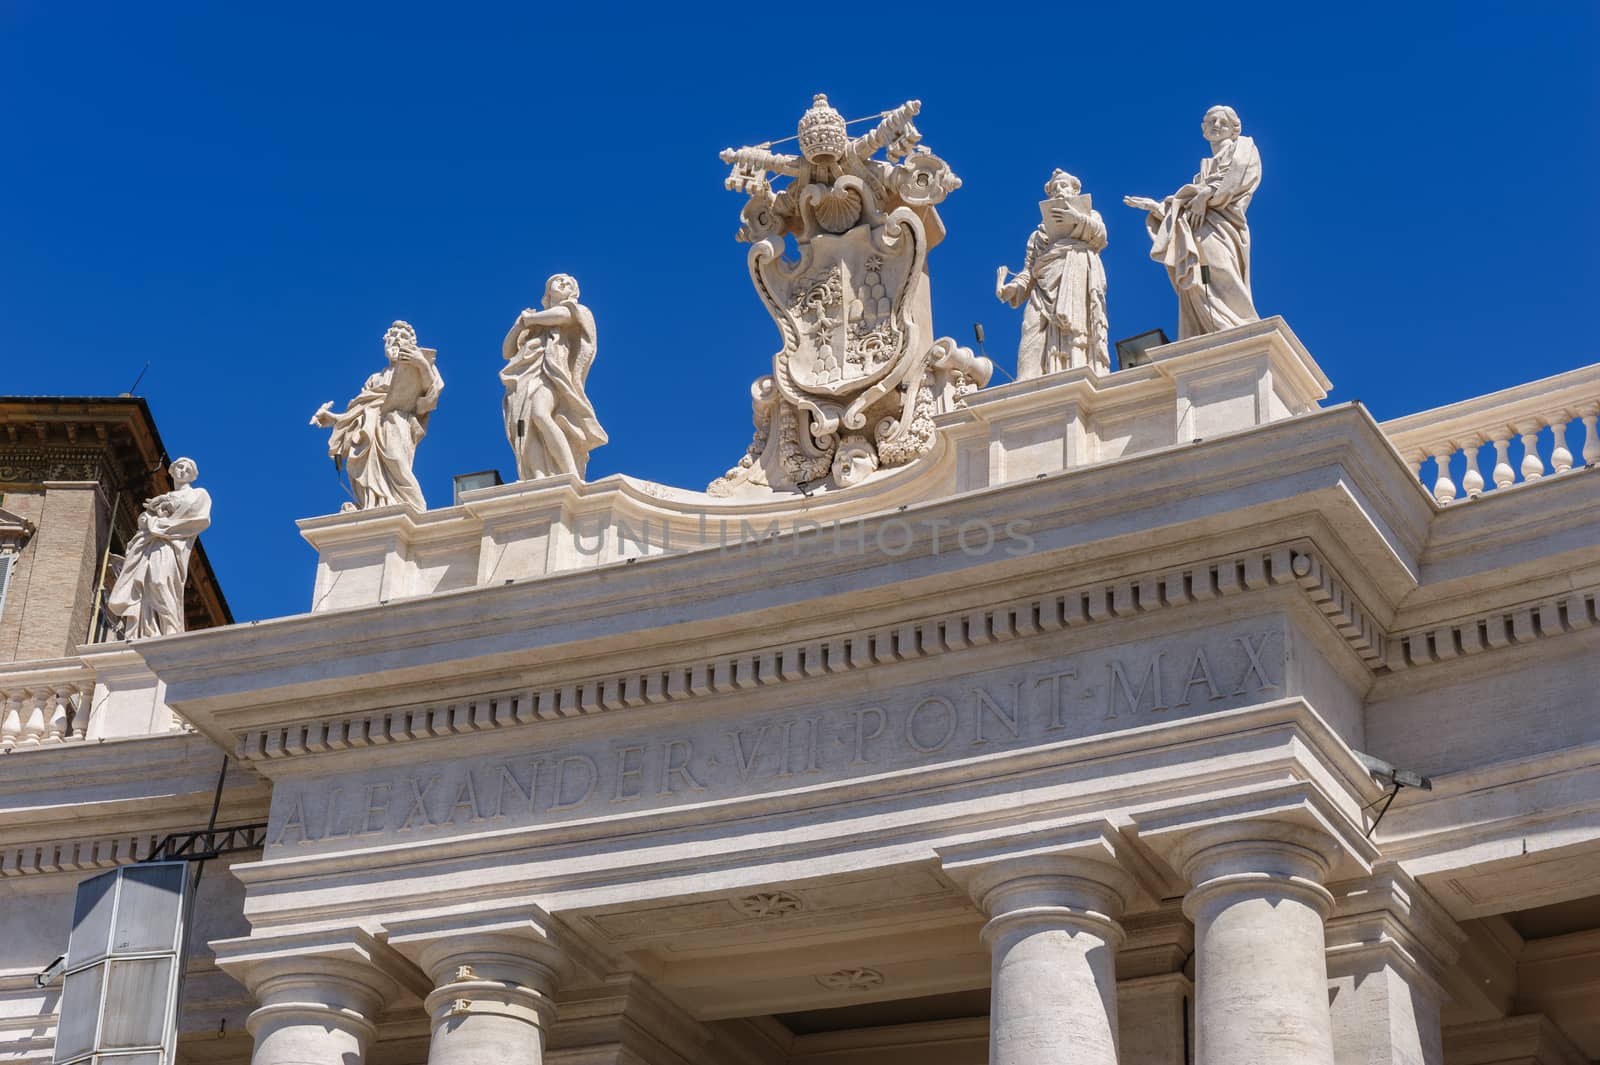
768, 904
854, 979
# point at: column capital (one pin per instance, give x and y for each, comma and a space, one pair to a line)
1067, 875
1289, 833
503, 963
343, 978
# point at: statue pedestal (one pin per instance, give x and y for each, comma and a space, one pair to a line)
1239, 378
1191, 390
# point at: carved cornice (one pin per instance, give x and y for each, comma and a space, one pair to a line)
1287, 565
15, 531
74, 856
1574, 611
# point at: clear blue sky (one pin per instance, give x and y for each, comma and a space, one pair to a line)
247, 195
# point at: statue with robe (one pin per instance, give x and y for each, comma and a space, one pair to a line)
549, 420
1062, 286
148, 593
376, 437
1200, 232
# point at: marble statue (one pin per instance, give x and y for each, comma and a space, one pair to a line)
148, 592
376, 437
859, 377
549, 421
1062, 284
1200, 231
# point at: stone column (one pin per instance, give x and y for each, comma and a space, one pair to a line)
1052, 936
1261, 975
493, 998
319, 1014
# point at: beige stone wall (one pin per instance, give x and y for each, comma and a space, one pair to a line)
27, 504
46, 613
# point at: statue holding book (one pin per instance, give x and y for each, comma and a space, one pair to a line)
1062, 285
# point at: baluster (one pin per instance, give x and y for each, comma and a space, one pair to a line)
1504, 476
11, 721
1560, 457
1591, 435
1532, 464
59, 716
1472, 478
33, 727
1444, 489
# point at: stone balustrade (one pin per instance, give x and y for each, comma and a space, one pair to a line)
98, 695
1494, 441
45, 703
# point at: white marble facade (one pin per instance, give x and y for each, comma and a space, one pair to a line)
1054, 743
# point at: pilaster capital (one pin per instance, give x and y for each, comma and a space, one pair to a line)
1057, 877
1390, 919
342, 977
1287, 837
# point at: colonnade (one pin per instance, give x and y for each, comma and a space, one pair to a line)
1256, 895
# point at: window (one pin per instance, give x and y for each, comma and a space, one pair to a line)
6, 558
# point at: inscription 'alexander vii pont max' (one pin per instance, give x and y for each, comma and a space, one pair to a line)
1095, 692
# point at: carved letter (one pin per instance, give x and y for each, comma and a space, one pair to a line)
675, 767
627, 774
374, 808
809, 755
862, 735
1199, 673
466, 799
1253, 653
950, 728
1119, 680
1010, 720
591, 774
1057, 707
329, 832
296, 821
419, 803
505, 778
747, 762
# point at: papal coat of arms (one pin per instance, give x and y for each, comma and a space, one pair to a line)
859, 378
